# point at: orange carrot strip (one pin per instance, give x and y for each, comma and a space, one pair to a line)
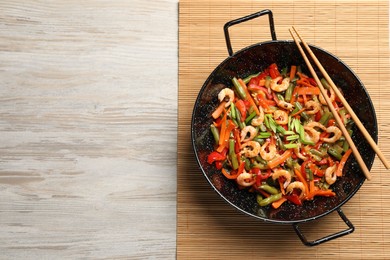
293, 70
339, 171
223, 129
228, 175
319, 192
218, 111
298, 112
294, 95
278, 203
249, 97
281, 184
281, 159
225, 138
308, 91
305, 83
311, 186
301, 179
302, 76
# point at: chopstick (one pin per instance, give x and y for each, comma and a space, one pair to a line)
355, 151
354, 117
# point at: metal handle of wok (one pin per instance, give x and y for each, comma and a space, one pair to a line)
347, 231
247, 18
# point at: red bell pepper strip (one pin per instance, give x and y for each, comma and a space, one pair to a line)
242, 108
256, 81
294, 198
237, 138
215, 156
274, 71
218, 165
340, 167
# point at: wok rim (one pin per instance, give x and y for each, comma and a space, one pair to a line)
356, 188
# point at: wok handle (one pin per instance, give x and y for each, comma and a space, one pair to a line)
347, 231
247, 18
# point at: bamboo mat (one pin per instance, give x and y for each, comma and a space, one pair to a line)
357, 32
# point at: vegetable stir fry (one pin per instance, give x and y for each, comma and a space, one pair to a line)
275, 135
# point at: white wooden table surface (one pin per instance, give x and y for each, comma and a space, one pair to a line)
88, 119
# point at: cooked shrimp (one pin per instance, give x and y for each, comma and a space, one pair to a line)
311, 133
336, 134
281, 117
312, 107
271, 151
257, 121
279, 87
244, 133
285, 105
245, 179
314, 124
330, 174
282, 173
250, 149
224, 94
298, 153
331, 97
297, 185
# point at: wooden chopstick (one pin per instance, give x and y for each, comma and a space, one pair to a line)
355, 151
346, 105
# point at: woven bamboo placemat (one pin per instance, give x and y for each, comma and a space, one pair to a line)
357, 32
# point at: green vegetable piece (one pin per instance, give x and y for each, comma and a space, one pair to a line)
240, 91
269, 189
270, 199
232, 154
289, 91
215, 133
247, 79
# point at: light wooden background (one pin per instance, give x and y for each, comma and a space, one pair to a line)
88, 124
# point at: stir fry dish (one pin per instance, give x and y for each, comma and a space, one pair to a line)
275, 136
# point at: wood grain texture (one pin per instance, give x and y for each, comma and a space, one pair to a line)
88, 124
355, 31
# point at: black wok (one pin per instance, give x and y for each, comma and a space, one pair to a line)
253, 59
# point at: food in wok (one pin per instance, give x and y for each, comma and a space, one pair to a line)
275, 136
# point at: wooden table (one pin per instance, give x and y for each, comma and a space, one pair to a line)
88, 124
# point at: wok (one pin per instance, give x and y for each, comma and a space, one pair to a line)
253, 59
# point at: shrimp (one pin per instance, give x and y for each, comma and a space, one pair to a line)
316, 124
257, 121
331, 97
281, 117
336, 134
243, 178
311, 133
250, 149
285, 105
244, 133
330, 174
279, 87
315, 107
271, 151
298, 153
282, 173
297, 185
226, 92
